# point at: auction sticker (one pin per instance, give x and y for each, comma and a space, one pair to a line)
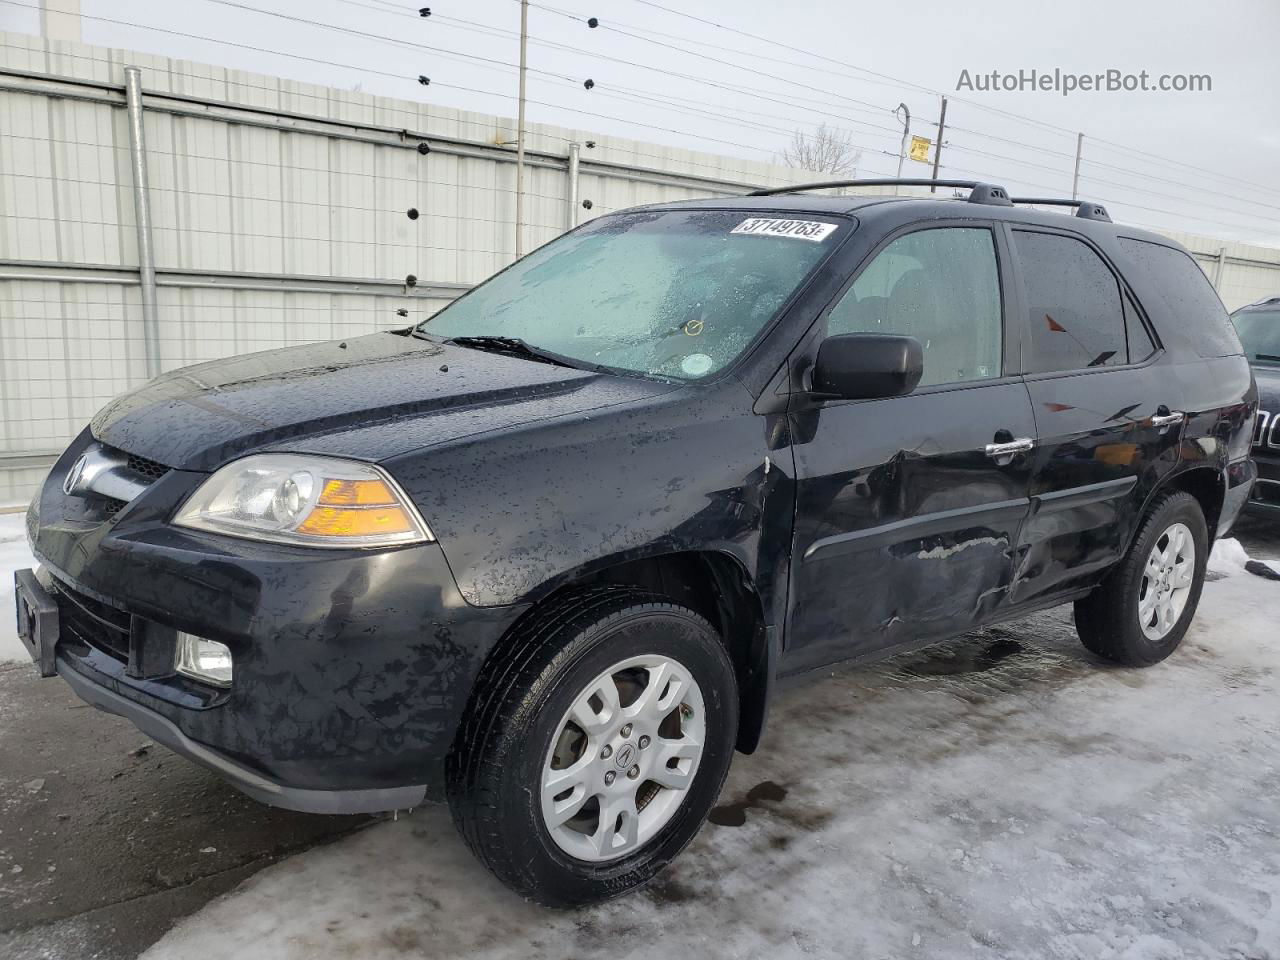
812, 230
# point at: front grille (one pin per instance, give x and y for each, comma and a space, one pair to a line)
147, 468
100, 625
1266, 433
105, 480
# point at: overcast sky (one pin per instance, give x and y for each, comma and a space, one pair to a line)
1204, 162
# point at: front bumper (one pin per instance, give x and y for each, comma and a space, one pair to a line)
166, 732
352, 668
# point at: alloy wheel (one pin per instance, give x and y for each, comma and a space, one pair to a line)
623, 758
1166, 581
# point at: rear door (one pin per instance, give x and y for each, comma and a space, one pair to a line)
1108, 417
905, 520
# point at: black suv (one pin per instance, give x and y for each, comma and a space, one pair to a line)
549, 553
1259, 327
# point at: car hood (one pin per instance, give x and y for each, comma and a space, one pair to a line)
318, 395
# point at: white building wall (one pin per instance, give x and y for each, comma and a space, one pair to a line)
261, 195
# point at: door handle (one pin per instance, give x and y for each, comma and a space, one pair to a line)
1167, 419
1021, 445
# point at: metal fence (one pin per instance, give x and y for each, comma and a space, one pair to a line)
184, 212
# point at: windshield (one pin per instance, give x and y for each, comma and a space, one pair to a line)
1259, 332
677, 294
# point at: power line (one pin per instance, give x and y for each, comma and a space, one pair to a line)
397, 41
738, 66
906, 84
607, 25
692, 109
793, 100
1123, 186
1178, 163
502, 63
752, 177
1197, 189
614, 24
395, 76
895, 81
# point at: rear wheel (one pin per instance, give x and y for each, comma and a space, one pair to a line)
1141, 612
595, 746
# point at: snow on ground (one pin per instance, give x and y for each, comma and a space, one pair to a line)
1004, 796
13, 556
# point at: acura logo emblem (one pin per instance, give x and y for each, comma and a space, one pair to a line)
73, 475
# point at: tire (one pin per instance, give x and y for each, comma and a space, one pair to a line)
1127, 618
519, 735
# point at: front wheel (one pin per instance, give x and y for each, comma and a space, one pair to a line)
1139, 614
595, 747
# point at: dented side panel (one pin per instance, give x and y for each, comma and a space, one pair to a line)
904, 525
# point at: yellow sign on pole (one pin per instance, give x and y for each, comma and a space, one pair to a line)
920, 149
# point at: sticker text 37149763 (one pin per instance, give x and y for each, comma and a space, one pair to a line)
812, 230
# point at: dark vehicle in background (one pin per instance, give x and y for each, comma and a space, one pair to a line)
550, 553
1259, 328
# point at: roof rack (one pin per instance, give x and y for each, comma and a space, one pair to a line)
988, 193
1085, 209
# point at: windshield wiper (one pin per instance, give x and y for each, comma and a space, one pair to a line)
515, 347
1269, 357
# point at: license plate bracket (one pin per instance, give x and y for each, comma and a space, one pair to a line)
37, 620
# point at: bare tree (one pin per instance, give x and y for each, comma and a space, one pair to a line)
825, 150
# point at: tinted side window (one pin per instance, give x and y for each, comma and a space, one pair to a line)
940, 286
1075, 316
1187, 296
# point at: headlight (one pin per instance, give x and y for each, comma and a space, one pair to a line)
317, 501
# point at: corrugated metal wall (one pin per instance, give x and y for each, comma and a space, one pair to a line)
280, 216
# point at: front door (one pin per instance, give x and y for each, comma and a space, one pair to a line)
907, 508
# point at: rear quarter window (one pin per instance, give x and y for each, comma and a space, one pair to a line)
1186, 296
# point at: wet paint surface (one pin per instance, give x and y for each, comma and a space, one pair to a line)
847, 529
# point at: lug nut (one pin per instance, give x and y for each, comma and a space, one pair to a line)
644, 742
606, 752
633, 772
626, 731
609, 778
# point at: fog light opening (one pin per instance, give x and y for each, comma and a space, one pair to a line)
205, 660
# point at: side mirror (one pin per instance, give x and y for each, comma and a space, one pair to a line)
868, 366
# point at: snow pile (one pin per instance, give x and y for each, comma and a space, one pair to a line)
1228, 557
1006, 795
14, 555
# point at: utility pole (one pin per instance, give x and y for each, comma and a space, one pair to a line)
524, 52
937, 150
906, 136
575, 159
1075, 176
142, 218
1218, 268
